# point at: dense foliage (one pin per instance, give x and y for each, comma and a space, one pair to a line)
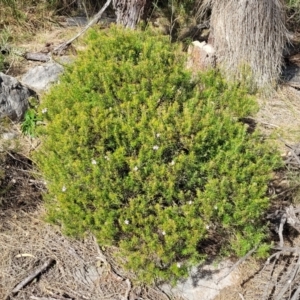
150, 160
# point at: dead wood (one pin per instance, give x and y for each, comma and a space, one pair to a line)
270, 284
296, 294
289, 278
47, 298
37, 56
283, 286
127, 293
58, 50
241, 260
241, 296
292, 218
292, 160
31, 276
280, 230
114, 274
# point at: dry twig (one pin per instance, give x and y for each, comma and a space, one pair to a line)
31, 276
241, 260
95, 19
289, 278
114, 274
45, 298
285, 282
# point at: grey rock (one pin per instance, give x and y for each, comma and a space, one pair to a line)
204, 281
13, 98
41, 77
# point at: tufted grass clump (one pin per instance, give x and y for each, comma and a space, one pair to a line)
150, 160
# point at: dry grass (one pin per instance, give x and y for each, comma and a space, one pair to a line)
27, 242
279, 116
22, 19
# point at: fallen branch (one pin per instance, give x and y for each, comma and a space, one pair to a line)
126, 296
241, 260
38, 56
43, 298
289, 280
293, 158
296, 294
292, 218
270, 284
65, 45
114, 274
241, 296
286, 280
31, 276
285, 250
47, 298
280, 230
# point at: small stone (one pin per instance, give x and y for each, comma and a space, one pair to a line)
13, 98
40, 78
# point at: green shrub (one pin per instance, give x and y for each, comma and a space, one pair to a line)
149, 160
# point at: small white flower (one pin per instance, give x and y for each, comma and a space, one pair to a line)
158, 135
94, 162
207, 227
44, 110
126, 222
178, 265
155, 147
135, 168
106, 157
172, 163
190, 202
64, 188
216, 207
163, 233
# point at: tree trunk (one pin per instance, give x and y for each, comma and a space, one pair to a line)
249, 38
130, 12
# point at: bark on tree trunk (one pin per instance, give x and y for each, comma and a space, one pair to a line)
129, 12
